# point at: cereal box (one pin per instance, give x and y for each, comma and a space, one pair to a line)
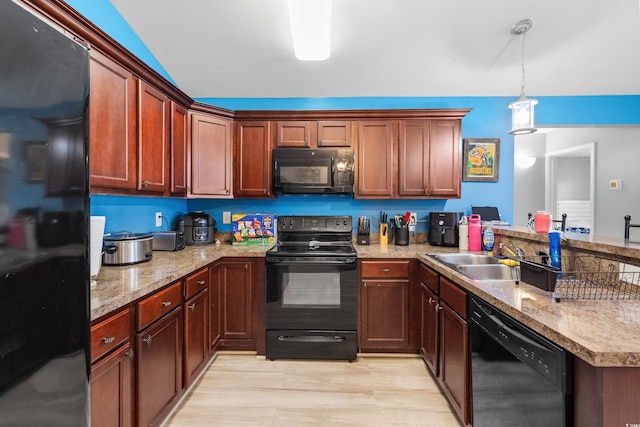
253, 229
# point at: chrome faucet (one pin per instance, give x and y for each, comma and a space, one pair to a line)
515, 252
627, 225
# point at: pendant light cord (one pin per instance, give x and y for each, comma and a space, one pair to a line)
523, 73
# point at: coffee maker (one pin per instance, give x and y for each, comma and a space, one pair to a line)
443, 228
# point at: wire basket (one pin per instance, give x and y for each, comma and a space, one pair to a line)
584, 278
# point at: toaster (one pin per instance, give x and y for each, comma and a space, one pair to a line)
168, 240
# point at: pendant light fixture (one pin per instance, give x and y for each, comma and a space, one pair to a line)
311, 29
522, 109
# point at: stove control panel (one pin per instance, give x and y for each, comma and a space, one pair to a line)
332, 224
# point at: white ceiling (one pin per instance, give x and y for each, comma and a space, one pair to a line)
243, 48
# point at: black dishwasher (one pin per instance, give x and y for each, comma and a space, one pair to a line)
519, 378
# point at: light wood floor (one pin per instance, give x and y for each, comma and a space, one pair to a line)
242, 390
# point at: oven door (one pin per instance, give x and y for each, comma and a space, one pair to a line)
311, 294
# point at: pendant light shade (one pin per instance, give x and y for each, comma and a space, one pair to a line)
311, 29
522, 110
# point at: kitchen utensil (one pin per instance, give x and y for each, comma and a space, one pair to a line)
127, 248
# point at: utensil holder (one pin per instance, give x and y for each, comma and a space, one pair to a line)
364, 235
401, 236
384, 234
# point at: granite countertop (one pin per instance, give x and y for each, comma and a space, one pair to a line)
602, 333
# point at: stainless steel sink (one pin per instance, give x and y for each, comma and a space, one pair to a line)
465, 259
489, 272
478, 266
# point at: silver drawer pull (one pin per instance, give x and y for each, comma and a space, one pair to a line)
108, 340
385, 270
201, 282
166, 303
147, 340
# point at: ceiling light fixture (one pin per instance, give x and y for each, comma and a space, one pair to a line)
522, 109
311, 29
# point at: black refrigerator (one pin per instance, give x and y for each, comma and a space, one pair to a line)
44, 217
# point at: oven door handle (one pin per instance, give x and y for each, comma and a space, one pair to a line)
311, 338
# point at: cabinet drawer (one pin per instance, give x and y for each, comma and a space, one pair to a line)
196, 283
428, 277
159, 304
385, 269
110, 333
455, 297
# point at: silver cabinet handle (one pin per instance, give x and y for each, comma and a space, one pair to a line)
438, 307
385, 270
192, 306
129, 354
246, 266
147, 340
364, 284
201, 282
431, 300
108, 340
166, 303
146, 183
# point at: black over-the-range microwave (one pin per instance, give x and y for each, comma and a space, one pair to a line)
312, 171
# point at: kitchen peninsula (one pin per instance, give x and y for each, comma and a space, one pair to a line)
603, 335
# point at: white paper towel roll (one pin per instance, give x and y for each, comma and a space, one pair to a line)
95, 248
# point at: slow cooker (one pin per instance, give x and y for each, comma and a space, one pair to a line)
125, 248
199, 228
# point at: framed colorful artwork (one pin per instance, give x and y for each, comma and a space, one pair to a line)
481, 159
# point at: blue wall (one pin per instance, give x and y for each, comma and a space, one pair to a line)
489, 118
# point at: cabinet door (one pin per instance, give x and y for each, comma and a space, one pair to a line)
376, 160
334, 133
454, 359
196, 335
179, 149
445, 167
429, 327
210, 156
153, 139
112, 389
252, 159
236, 299
214, 308
159, 365
292, 133
384, 314
112, 125
413, 158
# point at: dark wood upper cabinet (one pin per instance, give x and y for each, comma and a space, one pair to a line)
445, 158
210, 156
334, 133
112, 125
295, 133
413, 170
153, 139
252, 159
376, 159
179, 149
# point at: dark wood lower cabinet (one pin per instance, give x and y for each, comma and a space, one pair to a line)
384, 314
159, 366
238, 304
196, 335
454, 360
112, 389
215, 334
430, 303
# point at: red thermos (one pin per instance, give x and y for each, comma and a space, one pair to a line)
475, 233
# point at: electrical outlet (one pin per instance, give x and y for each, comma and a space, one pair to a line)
226, 217
630, 273
413, 221
158, 219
